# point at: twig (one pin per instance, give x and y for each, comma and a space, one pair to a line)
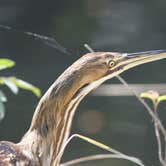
158, 138
165, 148
88, 48
100, 145
157, 123
50, 41
92, 158
157, 134
150, 111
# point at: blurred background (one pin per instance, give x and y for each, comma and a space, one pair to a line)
106, 25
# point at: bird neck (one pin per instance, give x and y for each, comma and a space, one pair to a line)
52, 119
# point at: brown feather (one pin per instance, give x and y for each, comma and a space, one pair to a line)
10, 155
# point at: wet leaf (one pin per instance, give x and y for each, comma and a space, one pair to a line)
6, 63
10, 84
25, 85
152, 95
3, 97
161, 98
2, 110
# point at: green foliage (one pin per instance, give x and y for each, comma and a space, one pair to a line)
153, 96
13, 84
161, 98
6, 63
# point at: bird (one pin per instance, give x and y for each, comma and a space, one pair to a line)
51, 123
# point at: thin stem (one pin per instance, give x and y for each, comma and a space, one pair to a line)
157, 123
94, 157
50, 41
165, 147
63, 148
158, 138
88, 48
157, 134
100, 145
150, 111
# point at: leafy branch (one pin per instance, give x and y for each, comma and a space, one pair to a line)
155, 98
13, 83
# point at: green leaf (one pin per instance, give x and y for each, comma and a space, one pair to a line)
146, 95
14, 83
161, 98
6, 63
10, 84
13, 87
2, 110
3, 97
25, 85
152, 95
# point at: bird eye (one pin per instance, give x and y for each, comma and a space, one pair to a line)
111, 63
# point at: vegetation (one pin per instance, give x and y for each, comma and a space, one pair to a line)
13, 84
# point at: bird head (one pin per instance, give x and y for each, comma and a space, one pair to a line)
105, 65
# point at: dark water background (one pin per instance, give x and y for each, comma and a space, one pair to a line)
107, 25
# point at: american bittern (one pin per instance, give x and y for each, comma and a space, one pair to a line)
53, 116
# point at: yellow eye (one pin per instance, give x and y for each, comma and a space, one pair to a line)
111, 63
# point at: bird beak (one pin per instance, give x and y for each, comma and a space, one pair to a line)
130, 60
125, 61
